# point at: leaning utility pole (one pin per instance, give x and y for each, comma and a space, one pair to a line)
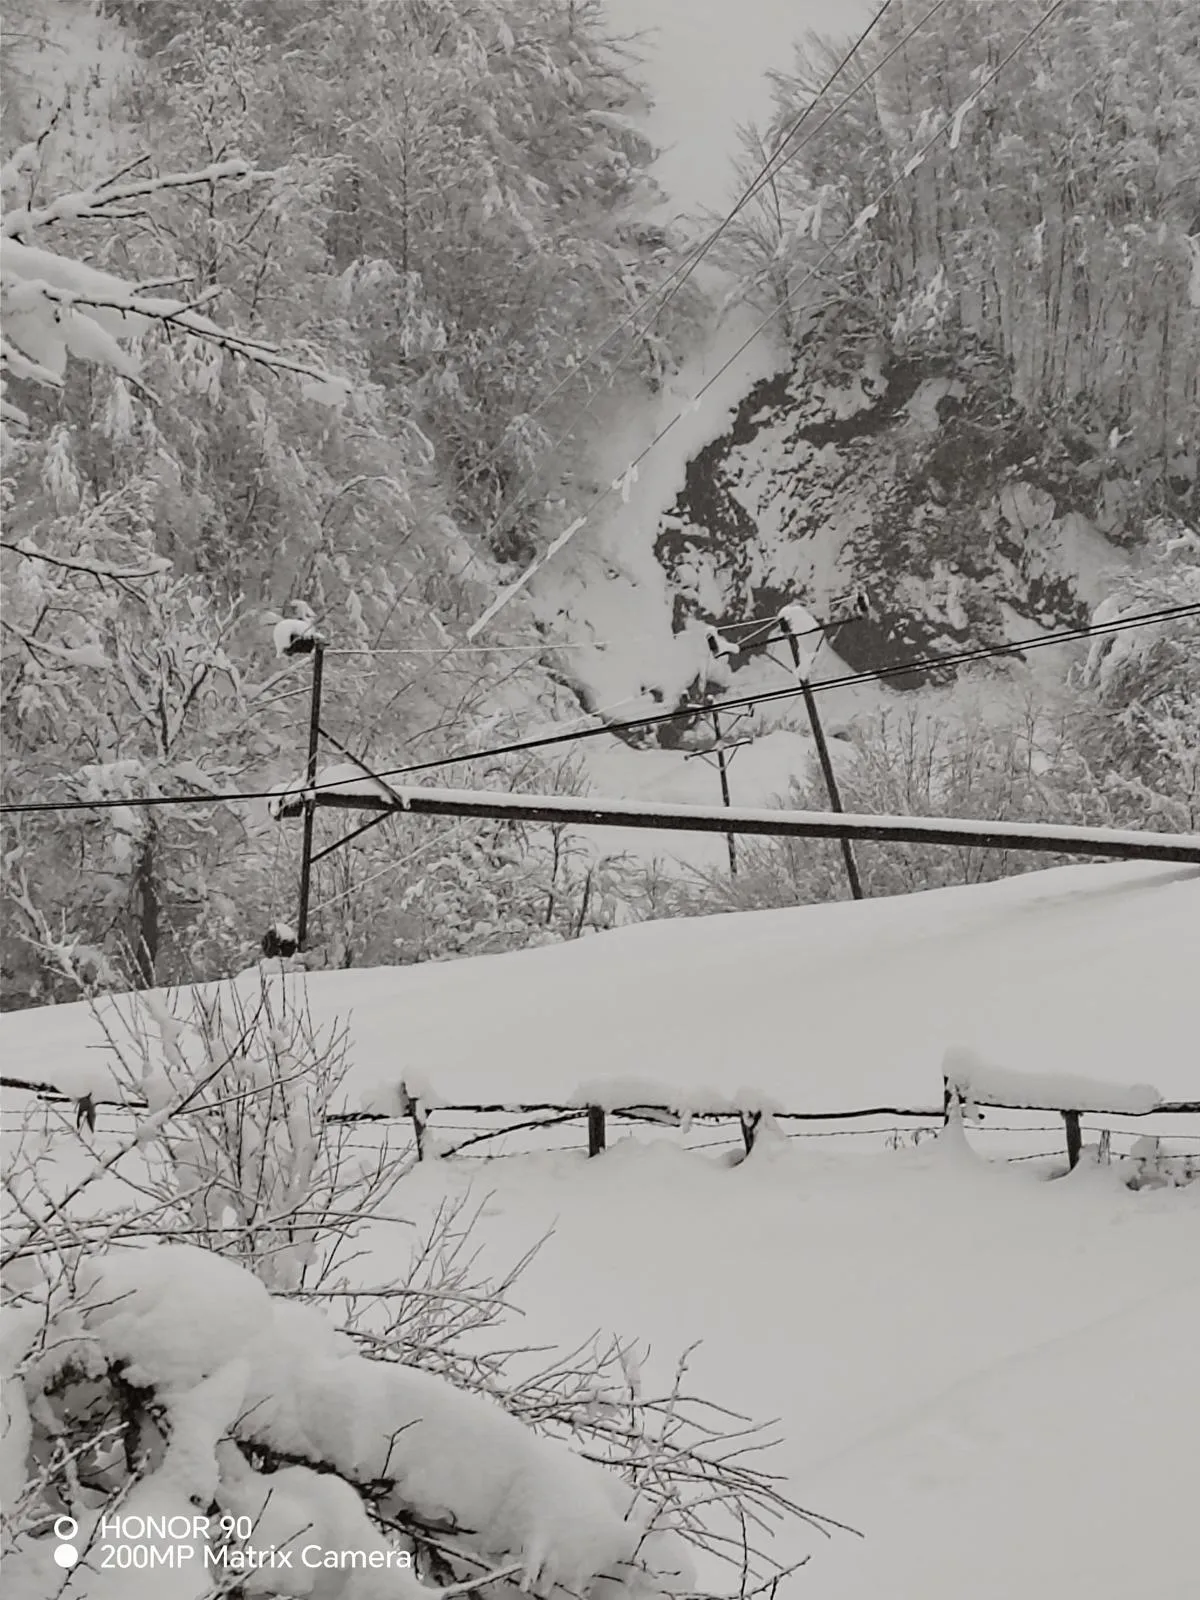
723, 770
720, 649
787, 619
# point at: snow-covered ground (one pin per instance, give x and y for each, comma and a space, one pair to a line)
992, 1377
1087, 970
988, 1369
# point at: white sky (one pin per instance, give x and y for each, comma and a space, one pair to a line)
705, 67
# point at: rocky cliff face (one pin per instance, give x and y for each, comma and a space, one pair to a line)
968, 520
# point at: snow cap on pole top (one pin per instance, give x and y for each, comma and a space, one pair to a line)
718, 645
804, 633
295, 635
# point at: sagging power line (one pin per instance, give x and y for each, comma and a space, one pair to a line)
689, 712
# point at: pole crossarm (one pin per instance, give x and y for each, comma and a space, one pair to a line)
1046, 838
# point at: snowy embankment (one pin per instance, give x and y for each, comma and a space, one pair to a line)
1085, 970
991, 1377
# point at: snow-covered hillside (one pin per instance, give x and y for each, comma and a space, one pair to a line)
903, 441
705, 65
984, 1368
1085, 970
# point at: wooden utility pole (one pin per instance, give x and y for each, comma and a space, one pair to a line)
831, 786
726, 801
317, 647
720, 649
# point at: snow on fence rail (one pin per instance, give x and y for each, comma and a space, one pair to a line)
968, 1084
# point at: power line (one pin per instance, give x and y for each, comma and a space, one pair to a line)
769, 696
530, 647
682, 713
864, 216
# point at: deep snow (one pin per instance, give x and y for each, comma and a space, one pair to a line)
1086, 970
991, 1375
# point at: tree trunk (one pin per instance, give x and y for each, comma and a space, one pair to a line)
144, 908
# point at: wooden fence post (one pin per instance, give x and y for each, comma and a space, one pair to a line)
410, 1105
1074, 1138
595, 1127
749, 1121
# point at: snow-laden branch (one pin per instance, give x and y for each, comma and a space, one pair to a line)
97, 201
152, 567
54, 306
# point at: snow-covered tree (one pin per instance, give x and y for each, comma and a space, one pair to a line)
436, 205
480, 181
1054, 223
1139, 691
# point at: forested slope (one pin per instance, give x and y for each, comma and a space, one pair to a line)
442, 209
982, 302
994, 391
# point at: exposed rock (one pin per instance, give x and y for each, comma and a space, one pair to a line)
918, 477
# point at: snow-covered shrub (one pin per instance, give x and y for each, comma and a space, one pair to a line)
1022, 770
260, 1166
1138, 708
197, 1329
1156, 1166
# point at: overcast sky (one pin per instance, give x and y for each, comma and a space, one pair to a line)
706, 61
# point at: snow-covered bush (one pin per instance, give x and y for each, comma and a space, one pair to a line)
219, 1320
1021, 767
424, 889
1138, 715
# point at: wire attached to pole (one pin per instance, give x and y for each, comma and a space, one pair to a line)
1017, 647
